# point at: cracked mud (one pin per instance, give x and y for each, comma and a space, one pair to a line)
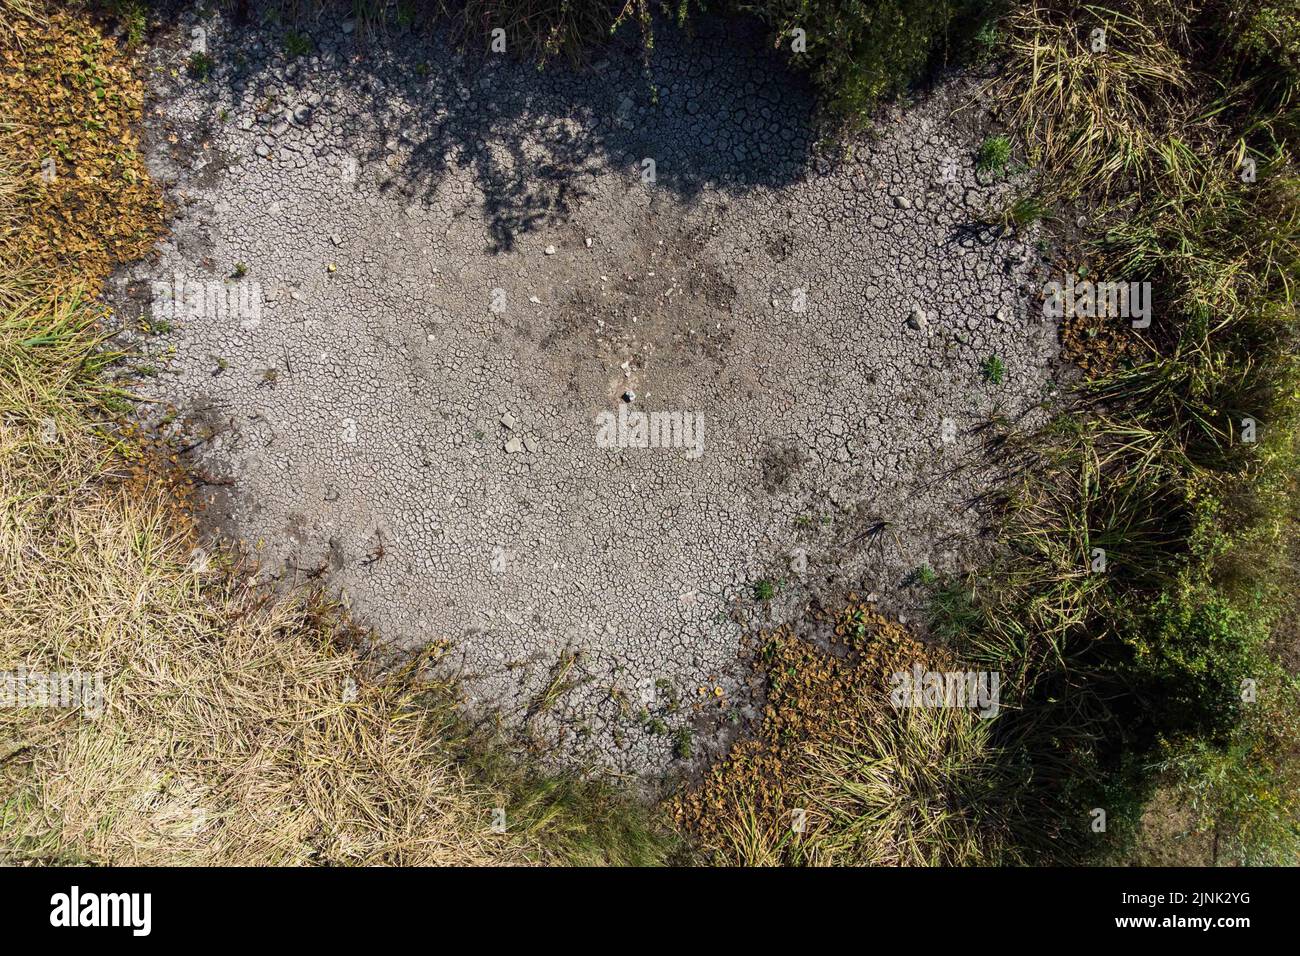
427, 283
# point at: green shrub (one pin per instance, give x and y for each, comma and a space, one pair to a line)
1246, 792
858, 52
1270, 35
1192, 653
862, 51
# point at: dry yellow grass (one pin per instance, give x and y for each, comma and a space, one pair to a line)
1097, 99
873, 785
236, 727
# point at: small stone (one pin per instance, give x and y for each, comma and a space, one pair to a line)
588, 241
262, 150
509, 421
629, 396
534, 300
902, 202
530, 443
550, 250
514, 446
334, 238
917, 320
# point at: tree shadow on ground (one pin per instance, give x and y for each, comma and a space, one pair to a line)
716, 109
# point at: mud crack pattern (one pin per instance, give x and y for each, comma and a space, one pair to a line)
463, 263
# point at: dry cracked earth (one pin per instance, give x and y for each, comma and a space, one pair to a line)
405, 291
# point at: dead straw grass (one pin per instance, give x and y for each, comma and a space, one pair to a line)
237, 729
1094, 119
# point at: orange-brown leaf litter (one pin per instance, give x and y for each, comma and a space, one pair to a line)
813, 695
70, 109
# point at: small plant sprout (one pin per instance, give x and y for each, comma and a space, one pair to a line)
200, 65
297, 44
684, 744
993, 370
1023, 211
993, 156
986, 42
